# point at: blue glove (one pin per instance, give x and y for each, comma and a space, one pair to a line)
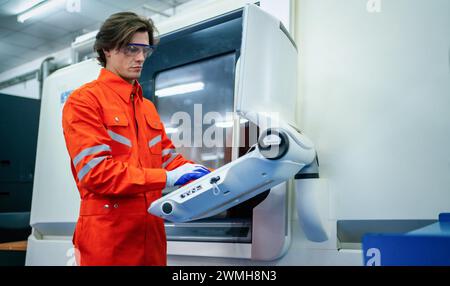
184, 174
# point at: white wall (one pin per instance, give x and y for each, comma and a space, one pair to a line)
375, 99
374, 96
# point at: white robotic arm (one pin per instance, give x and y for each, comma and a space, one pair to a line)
281, 152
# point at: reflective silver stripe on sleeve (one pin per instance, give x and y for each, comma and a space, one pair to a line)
154, 141
89, 165
119, 138
167, 151
172, 156
90, 151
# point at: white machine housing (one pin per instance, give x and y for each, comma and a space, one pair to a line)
265, 83
266, 76
55, 203
279, 155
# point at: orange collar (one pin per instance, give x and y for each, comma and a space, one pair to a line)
120, 86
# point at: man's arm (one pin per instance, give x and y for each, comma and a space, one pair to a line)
88, 143
170, 158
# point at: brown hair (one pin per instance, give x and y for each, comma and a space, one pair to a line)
117, 31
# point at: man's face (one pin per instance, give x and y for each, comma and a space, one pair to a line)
124, 64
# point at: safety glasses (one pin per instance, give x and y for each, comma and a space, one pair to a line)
133, 50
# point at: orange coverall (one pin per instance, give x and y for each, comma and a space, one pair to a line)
119, 152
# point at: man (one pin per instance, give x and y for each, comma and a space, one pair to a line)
121, 157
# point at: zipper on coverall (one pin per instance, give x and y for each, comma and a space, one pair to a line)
136, 124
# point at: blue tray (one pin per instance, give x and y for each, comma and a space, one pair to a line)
427, 246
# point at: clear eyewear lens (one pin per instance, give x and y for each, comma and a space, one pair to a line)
135, 50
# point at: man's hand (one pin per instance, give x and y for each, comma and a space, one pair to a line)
184, 174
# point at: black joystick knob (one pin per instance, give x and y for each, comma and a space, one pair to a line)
214, 180
167, 208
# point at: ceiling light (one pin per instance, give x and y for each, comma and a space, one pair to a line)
229, 123
39, 9
171, 130
180, 89
224, 124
